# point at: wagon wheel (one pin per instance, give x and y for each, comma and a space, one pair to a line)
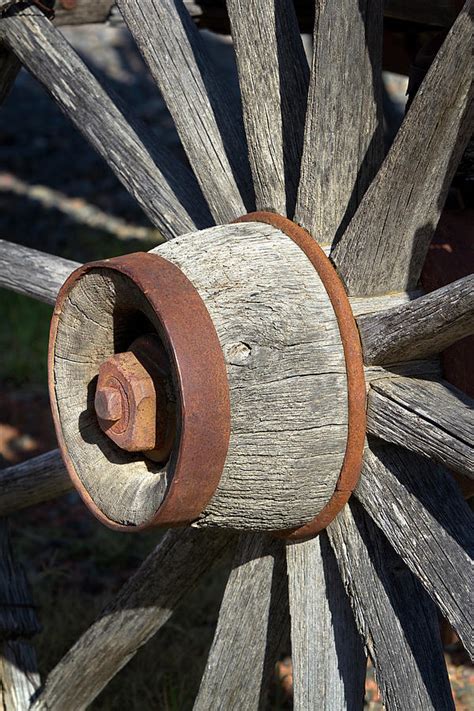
219, 380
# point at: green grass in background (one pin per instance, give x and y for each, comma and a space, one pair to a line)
24, 322
24, 331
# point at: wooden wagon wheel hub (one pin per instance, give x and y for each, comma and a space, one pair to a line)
157, 363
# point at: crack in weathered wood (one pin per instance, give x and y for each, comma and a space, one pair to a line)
19, 677
385, 244
252, 620
343, 141
32, 273
420, 328
210, 128
32, 482
430, 417
273, 76
420, 509
394, 615
329, 662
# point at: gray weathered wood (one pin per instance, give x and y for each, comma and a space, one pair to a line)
17, 613
429, 417
273, 76
344, 127
420, 509
211, 133
18, 670
394, 615
30, 483
329, 663
441, 13
384, 246
33, 273
164, 188
286, 373
19, 678
247, 634
285, 367
421, 327
140, 609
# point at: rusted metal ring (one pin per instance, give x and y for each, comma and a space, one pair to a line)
197, 359
356, 387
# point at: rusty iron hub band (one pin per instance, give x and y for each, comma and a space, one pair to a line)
356, 388
198, 363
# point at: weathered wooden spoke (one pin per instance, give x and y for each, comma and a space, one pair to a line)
19, 677
164, 188
143, 605
384, 246
33, 273
420, 328
250, 626
429, 417
343, 135
418, 506
329, 663
395, 617
39, 479
211, 133
266, 36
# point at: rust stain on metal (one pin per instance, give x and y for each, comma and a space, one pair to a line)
356, 387
131, 400
200, 380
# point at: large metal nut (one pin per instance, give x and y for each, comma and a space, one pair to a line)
126, 389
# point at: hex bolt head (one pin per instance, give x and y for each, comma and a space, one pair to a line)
131, 400
108, 404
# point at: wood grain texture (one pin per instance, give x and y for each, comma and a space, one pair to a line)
273, 76
429, 417
421, 511
394, 615
286, 374
210, 131
102, 314
440, 13
251, 622
422, 327
140, 609
19, 678
32, 482
329, 663
385, 244
164, 188
33, 273
285, 367
17, 613
343, 141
